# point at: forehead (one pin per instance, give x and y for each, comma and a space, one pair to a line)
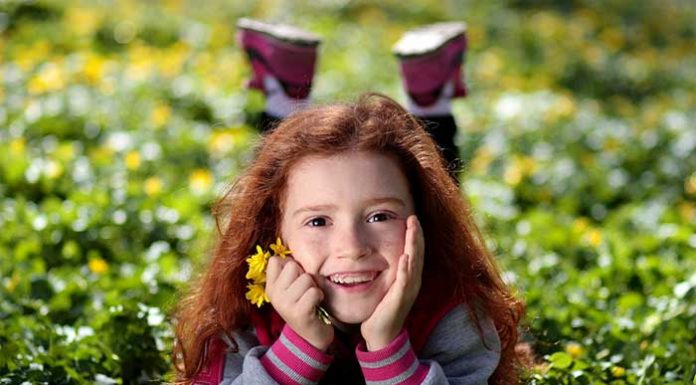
345, 177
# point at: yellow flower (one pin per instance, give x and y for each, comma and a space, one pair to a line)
279, 248
94, 68
160, 115
593, 237
153, 186
580, 224
98, 265
618, 371
256, 294
50, 77
257, 271
257, 265
12, 283
133, 160
574, 349
17, 146
690, 184
482, 159
53, 169
200, 180
513, 174
82, 20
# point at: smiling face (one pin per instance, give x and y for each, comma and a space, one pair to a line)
344, 218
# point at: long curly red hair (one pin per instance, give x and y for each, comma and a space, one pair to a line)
248, 214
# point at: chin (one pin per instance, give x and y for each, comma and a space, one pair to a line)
350, 315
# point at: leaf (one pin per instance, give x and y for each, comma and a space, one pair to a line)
561, 360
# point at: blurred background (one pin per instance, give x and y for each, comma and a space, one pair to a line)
121, 121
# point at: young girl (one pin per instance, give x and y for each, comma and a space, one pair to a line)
380, 238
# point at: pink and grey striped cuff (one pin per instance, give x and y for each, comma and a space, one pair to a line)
293, 361
394, 364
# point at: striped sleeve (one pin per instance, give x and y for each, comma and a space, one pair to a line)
293, 361
394, 364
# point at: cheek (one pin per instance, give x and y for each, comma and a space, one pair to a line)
390, 242
307, 251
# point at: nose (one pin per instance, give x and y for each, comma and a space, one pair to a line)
350, 241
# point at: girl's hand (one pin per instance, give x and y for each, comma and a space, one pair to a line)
388, 318
295, 296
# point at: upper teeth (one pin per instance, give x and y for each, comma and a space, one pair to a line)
352, 278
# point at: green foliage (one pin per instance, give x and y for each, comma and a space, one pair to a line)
119, 125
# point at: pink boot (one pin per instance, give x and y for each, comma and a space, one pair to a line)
430, 56
284, 52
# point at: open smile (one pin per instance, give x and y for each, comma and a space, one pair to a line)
353, 281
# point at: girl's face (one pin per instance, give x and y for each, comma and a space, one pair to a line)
344, 219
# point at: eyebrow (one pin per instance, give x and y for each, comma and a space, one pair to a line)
369, 202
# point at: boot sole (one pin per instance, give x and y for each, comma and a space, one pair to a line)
282, 32
427, 39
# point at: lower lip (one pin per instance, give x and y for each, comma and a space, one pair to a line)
360, 287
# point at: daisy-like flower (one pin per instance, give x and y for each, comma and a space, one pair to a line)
279, 248
257, 265
256, 294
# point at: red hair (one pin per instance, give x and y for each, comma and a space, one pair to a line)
456, 259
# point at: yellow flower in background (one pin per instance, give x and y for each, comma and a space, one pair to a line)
160, 115
688, 211
257, 265
12, 283
53, 169
65, 152
27, 58
50, 78
81, 20
618, 371
171, 60
133, 160
221, 142
489, 65
519, 167
18, 146
200, 180
257, 294
690, 184
612, 145
98, 266
580, 224
513, 174
612, 39
94, 68
482, 159
593, 237
564, 107
152, 186
574, 349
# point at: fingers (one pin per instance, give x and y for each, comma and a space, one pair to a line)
299, 287
273, 269
288, 274
402, 271
310, 299
288, 283
414, 245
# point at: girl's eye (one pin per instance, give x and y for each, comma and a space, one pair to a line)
379, 217
314, 222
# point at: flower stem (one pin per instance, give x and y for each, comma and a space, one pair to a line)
323, 315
